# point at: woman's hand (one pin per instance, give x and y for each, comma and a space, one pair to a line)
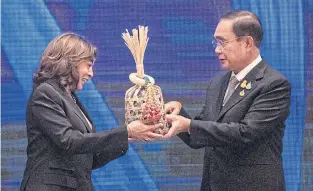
139, 131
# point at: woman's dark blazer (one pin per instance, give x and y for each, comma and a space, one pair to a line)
62, 149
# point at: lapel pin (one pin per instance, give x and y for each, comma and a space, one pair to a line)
248, 87
242, 93
243, 84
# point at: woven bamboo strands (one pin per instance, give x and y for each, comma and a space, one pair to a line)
137, 45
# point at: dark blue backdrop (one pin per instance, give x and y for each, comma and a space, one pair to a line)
180, 58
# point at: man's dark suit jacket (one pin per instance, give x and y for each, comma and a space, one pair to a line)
243, 139
62, 149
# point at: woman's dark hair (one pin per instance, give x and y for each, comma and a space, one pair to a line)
61, 58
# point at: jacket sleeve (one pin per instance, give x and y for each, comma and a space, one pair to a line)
49, 116
112, 151
185, 137
266, 115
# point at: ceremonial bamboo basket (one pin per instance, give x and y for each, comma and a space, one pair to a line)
144, 100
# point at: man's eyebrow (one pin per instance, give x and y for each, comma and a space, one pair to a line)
219, 38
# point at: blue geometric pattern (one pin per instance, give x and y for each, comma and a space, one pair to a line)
180, 58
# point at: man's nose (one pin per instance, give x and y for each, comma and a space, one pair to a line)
218, 49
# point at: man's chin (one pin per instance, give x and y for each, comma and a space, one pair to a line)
225, 66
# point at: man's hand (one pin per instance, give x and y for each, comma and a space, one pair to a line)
139, 131
172, 107
179, 124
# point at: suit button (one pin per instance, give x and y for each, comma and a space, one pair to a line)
213, 148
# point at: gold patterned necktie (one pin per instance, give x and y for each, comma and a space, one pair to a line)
230, 89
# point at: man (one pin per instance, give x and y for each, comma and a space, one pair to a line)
242, 122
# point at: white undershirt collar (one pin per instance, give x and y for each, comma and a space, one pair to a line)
242, 74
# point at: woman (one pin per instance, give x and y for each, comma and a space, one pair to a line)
63, 146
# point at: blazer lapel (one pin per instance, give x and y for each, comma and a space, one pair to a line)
240, 93
221, 93
71, 102
82, 112
78, 112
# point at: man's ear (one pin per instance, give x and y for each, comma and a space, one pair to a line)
249, 42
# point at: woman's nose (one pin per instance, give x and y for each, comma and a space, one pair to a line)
90, 73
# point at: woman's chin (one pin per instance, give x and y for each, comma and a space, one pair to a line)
79, 87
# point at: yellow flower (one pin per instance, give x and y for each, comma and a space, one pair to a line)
242, 93
248, 87
243, 84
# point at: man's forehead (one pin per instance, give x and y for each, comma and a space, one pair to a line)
224, 29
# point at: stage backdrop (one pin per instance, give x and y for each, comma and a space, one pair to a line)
180, 58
